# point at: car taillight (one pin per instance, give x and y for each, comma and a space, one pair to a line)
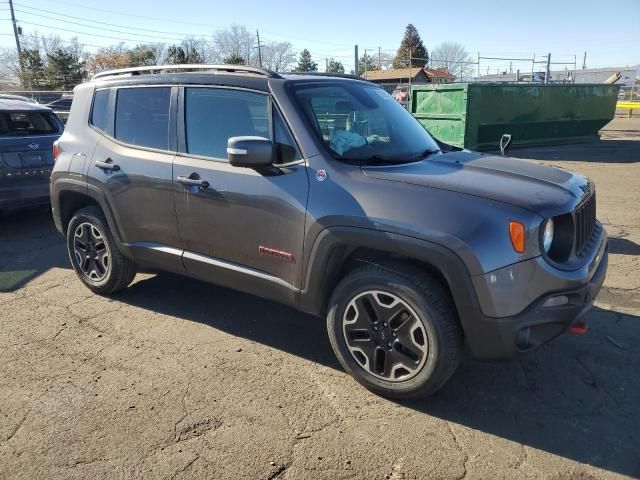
56, 150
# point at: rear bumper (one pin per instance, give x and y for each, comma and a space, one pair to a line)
22, 196
499, 338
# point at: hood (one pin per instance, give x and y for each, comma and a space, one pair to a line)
542, 189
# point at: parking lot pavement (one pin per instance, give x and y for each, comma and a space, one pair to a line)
174, 378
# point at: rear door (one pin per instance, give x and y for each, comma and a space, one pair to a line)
132, 166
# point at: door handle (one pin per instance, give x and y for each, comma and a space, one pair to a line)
193, 182
107, 165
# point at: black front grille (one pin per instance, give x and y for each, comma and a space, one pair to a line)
584, 220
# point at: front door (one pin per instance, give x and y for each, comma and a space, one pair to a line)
239, 227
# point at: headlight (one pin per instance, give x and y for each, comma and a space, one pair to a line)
547, 236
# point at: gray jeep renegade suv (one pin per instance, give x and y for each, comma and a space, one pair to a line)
325, 194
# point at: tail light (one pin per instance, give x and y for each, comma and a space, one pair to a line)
56, 150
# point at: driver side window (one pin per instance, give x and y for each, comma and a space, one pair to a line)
213, 115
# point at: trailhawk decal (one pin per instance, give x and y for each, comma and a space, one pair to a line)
272, 252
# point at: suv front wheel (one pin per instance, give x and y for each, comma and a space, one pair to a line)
94, 254
395, 329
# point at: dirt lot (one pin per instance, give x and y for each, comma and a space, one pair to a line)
174, 378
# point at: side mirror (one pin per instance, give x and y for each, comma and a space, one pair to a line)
250, 152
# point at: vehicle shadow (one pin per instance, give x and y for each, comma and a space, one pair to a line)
623, 246
30, 245
565, 399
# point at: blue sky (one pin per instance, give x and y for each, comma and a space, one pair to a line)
608, 31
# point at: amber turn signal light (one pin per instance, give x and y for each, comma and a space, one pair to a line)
516, 232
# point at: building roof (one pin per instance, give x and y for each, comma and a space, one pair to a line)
404, 73
440, 72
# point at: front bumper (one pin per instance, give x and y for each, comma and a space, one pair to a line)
496, 338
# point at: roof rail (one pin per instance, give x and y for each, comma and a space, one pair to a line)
196, 66
326, 74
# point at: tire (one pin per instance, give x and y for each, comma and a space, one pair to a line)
94, 254
421, 337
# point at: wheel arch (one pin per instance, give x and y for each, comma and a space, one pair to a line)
337, 250
69, 196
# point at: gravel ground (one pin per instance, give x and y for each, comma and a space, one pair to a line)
174, 378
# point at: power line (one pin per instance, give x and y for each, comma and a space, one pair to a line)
126, 14
102, 23
277, 34
93, 26
82, 33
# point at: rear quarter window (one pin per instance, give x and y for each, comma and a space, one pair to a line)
142, 116
27, 123
99, 110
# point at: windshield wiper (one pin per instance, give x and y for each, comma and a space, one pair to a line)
424, 154
376, 159
381, 160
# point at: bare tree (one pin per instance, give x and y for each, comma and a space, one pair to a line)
195, 49
278, 56
235, 41
159, 50
382, 60
453, 57
108, 58
9, 68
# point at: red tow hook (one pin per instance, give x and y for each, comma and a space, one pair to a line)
579, 328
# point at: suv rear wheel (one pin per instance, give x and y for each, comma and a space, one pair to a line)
94, 254
395, 329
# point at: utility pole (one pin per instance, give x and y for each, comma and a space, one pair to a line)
365, 63
15, 34
533, 66
547, 75
379, 59
356, 70
326, 64
584, 60
259, 49
409, 88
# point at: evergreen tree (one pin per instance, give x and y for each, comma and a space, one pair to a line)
306, 64
411, 44
33, 70
176, 55
335, 67
234, 60
64, 69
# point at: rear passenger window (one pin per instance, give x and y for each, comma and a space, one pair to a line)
99, 110
214, 115
142, 116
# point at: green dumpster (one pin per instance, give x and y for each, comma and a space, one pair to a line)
476, 115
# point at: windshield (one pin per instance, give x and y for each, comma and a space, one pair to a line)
364, 123
26, 123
